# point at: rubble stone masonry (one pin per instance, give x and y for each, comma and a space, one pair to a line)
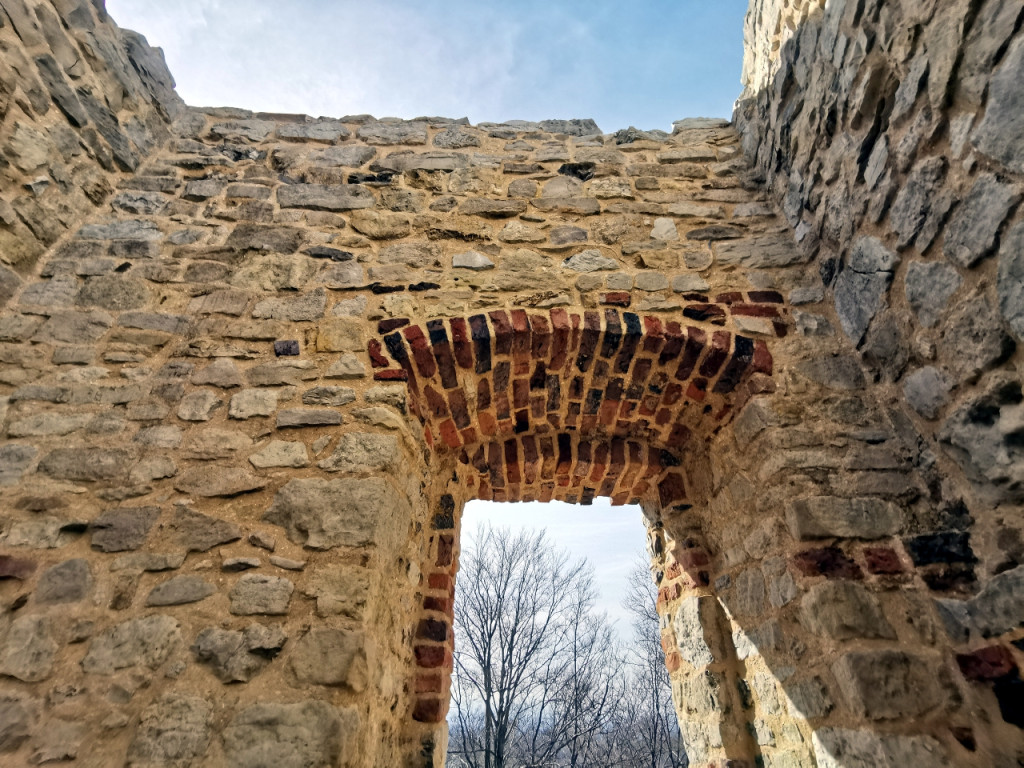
252, 366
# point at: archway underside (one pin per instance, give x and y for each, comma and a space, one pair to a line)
569, 405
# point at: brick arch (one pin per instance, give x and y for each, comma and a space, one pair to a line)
575, 403
568, 405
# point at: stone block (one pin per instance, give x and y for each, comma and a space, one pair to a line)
173, 732
337, 657
308, 733
255, 594
819, 517
889, 685
842, 610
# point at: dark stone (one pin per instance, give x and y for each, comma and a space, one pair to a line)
323, 252
257, 237
946, 547
123, 529
16, 568
1010, 694
68, 582
831, 562
60, 91
288, 348
581, 171
987, 664
198, 533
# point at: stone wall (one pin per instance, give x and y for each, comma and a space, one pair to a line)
245, 398
890, 136
81, 103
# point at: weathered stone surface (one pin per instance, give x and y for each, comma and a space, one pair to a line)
331, 657
929, 286
145, 642
199, 405
29, 649
180, 590
238, 656
472, 260
320, 130
252, 402
841, 372
122, 529
308, 417
1011, 280
393, 133
214, 443
973, 339
926, 391
209, 481
843, 748
16, 719
254, 594
827, 516
257, 237
196, 532
280, 453
308, 306
860, 288
885, 685
323, 197
15, 458
689, 621
173, 733
363, 452
310, 733
67, 582
915, 199
94, 465
321, 514
1000, 134
148, 561
590, 261
971, 232
843, 610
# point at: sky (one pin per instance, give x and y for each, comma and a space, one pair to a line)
611, 538
641, 64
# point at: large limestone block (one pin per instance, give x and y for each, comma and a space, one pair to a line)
843, 610
331, 657
889, 685
827, 516
148, 642
322, 514
310, 733
172, 733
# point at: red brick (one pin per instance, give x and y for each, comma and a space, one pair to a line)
392, 375
502, 333
617, 298
440, 581
441, 604
430, 683
830, 562
387, 326
462, 342
431, 656
377, 359
432, 629
986, 664
445, 549
429, 710
883, 560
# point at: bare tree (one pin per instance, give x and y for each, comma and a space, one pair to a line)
531, 684
648, 736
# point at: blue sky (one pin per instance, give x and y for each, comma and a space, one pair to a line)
643, 64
